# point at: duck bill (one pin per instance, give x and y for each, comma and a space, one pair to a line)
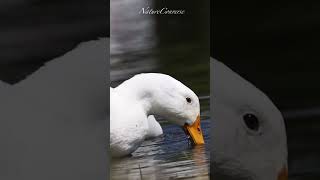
195, 132
283, 174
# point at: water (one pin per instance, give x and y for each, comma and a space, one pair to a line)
174, 45
168, 156
170, 45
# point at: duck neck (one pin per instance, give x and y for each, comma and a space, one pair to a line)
142, 91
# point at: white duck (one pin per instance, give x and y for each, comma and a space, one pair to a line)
133, 103
249, 136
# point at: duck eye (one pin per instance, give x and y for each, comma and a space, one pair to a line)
251, 121
188, 100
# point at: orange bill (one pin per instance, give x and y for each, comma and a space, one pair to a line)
283, 174
195, 132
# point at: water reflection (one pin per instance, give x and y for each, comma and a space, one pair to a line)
132, 40
168, 156
174, 45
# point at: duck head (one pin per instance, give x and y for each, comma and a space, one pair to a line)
249, 136
167, 97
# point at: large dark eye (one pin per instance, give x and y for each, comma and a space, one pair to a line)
251, 121
188, 100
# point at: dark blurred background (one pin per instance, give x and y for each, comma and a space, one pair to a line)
259, 39
33, 31
275, 45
